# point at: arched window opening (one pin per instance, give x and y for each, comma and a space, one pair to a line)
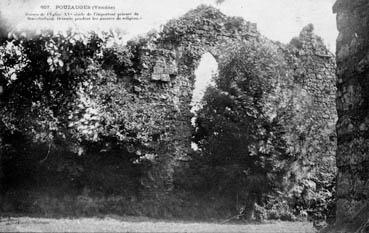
204, 74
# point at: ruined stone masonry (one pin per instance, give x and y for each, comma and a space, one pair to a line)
353, 114
153, 99
170, 61
308, 90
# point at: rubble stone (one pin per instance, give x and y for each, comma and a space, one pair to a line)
309, 90
353, 113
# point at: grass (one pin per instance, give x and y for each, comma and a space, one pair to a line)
137, 224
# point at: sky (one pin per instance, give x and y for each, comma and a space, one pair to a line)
277, 19
208, 66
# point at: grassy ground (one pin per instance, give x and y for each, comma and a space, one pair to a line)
111, 224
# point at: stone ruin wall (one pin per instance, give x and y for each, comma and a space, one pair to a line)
162, 91
167, 81
310, 131
353, 112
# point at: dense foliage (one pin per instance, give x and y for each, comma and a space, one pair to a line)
63, 98
242, 152
102, 122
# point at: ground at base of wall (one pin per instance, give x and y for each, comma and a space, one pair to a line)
362, 227
168, 206
27, 224
84, 205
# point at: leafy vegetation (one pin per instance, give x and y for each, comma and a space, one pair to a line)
242, 154
88, 120
63, 99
